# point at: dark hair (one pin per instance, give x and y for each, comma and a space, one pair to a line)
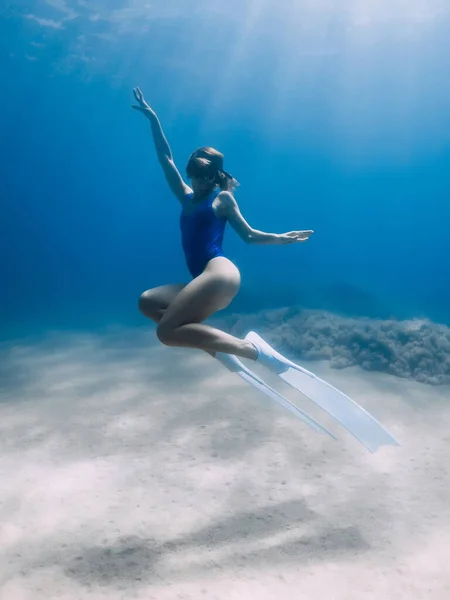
208, 162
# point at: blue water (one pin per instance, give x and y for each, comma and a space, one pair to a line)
331, 118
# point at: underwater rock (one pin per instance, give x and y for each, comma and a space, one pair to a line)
417, 349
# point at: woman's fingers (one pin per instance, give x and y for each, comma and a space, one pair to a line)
138, 95
303, 235
297, 236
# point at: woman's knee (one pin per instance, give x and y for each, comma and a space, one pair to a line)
164, 333
154, 302
148, 305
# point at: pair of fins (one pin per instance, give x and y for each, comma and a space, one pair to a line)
355, 419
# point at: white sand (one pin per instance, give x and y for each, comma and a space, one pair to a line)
131, 471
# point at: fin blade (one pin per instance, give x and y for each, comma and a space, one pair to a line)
235, 365
346, 411
353, 417
285, 403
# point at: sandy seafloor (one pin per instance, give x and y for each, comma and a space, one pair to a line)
132, 470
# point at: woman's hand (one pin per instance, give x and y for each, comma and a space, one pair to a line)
142, 105
295, 236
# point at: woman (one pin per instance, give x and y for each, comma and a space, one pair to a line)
206, 207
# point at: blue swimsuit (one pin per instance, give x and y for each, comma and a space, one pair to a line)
201, 233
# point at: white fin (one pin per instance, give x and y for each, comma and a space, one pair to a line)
233, 364
362, 425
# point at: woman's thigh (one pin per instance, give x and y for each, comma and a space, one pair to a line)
208, 293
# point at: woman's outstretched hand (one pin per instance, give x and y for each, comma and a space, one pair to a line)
142, 105
295, 236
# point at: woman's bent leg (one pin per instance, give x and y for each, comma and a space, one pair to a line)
208, 293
